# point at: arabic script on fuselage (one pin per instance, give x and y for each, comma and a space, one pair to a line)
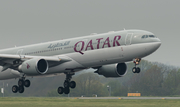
55, 45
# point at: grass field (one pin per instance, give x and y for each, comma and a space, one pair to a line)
63, 102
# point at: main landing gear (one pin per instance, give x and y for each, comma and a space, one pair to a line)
136, 69
67, 84
21, 84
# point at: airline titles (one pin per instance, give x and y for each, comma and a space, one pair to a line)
90, 44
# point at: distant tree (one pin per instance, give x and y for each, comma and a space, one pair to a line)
171, 85
117, 89
149, 82
88, 84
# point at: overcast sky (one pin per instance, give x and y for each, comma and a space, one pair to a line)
24, 22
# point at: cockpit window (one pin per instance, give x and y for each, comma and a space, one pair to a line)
146, 36
151, 36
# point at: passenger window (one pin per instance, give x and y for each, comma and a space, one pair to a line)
146, 36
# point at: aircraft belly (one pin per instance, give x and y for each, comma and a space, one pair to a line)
66, 67
98, 57
9, 74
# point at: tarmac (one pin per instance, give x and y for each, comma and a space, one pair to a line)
128, 98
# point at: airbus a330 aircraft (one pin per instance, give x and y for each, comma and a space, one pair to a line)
105, 52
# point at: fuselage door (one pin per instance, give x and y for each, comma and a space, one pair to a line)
128, 38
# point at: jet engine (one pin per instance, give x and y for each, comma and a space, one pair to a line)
112, 70
34, 67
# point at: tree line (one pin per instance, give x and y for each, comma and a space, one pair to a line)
155, 79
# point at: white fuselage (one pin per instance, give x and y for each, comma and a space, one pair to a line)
89, 51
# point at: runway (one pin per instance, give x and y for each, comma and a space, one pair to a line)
128, 98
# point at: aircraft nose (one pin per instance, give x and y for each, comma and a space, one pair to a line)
157, 44
152, 47
158, 40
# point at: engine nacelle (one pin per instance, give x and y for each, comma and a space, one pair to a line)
34, 67
113, 70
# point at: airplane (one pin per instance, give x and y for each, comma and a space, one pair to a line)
107, 53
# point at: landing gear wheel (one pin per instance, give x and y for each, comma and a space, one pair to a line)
27, 83
21, 89
66, 84
134, 70
138, 70
72, 84
60, 90
66, 90
21, 82
15, 89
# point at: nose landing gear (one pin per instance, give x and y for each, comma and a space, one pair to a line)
67, 84
136, 69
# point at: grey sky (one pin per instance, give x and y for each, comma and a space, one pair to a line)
24, 22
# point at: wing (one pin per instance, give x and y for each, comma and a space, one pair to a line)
13, 61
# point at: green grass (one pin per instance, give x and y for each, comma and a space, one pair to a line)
63, 102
